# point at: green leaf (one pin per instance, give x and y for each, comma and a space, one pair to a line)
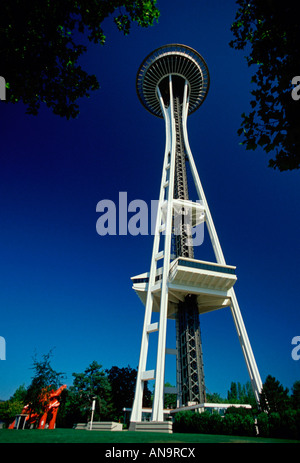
43, 45
251, 145
264, 140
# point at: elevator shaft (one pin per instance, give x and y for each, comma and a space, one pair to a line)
190, 372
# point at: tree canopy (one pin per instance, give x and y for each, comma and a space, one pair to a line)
42, 41
269, 32
45, 379
241, 394
113, 390
274, 397
123, 381
92, 384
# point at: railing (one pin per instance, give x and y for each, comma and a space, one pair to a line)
206, 266
198, 265
210, 266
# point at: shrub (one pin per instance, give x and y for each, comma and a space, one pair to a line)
285, 424
248, 425
263, 425
192, 422
282, 425
216, 424
238, 411
183, 421
289, 424
207, 423
274, 424
201, 422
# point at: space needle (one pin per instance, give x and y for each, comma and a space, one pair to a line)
172, 83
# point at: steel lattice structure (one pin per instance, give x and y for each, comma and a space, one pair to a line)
191, 385
172, 82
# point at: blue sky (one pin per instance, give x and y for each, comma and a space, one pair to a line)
64, 287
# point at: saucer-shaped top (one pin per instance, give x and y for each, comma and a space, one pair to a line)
173, 59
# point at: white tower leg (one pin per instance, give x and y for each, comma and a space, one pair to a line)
235, 310
163, 225
157, 411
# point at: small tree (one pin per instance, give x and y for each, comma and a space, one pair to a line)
122, 382
242, 394
232, 394
93, 382
274, 397
44, 380
9, 409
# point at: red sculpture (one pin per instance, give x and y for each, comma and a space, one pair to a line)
49, 414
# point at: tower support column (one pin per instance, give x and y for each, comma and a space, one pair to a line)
158, 401
163, 232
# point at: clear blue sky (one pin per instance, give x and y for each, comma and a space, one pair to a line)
63, 287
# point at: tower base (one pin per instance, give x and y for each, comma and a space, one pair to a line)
100, 426
152, 426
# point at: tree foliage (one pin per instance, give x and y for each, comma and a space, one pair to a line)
170, 399
212, 423
113, 389
269, 32
241, 394
296, 396
42, 41
123, 381
92, 383
45, 379
12, 407
274, 397
214, 397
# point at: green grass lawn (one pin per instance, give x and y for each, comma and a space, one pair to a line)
125, 437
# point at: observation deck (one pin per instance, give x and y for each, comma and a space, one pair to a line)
176, 60
211, 283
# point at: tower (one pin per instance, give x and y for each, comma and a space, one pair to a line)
172, 82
